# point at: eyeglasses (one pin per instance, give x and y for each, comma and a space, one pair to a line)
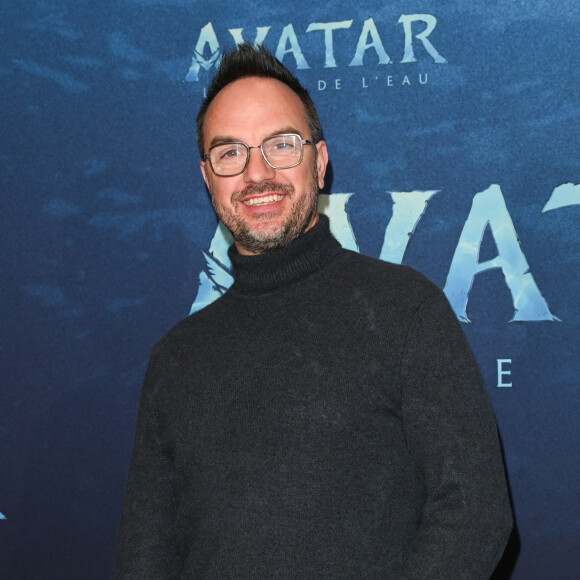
279, 151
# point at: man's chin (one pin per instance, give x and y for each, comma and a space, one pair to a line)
266, 232
261, 240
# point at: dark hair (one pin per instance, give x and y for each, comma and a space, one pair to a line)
247, 61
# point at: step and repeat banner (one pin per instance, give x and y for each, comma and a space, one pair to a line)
453, 134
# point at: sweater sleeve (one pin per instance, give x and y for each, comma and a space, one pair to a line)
145, 547
452, 435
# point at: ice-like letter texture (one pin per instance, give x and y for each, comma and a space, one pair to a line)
208, 37
489, 209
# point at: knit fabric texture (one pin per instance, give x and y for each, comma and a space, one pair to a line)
325, 418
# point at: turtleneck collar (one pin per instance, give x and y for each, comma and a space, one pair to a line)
284, 266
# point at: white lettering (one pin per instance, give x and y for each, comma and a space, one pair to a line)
207, 37
329, 27
207, 52
502, 371
408, 209
289, 36
564, 195
369, 29
431, 21
489, 209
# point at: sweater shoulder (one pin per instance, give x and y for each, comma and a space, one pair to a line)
388, 277
198, 327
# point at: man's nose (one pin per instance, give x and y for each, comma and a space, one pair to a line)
258, 168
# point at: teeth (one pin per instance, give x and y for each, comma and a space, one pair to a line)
263, 200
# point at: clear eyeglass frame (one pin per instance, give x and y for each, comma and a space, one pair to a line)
240, 168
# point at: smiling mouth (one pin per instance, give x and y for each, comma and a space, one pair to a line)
263, 200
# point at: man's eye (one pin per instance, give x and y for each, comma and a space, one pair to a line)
281, 146
231, 154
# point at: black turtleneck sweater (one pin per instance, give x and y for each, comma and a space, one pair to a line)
325, 418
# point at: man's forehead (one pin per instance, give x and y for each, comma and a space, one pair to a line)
254, 102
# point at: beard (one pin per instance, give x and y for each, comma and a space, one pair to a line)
259, 237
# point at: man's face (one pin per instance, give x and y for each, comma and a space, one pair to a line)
263, 207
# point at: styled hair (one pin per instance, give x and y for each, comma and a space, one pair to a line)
247, 61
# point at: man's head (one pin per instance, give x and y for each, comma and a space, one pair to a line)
265, 204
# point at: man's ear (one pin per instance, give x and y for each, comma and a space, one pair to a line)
321, 161
203, 167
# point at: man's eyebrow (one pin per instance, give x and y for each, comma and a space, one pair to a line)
221, 139
286, 130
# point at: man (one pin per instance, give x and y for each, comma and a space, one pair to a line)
324, 418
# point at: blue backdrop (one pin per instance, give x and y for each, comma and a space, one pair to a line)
453, 133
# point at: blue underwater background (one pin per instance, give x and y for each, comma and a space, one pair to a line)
105, 221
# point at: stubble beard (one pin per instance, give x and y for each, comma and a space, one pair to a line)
259, 240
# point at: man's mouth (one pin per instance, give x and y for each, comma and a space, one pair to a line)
263, 200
